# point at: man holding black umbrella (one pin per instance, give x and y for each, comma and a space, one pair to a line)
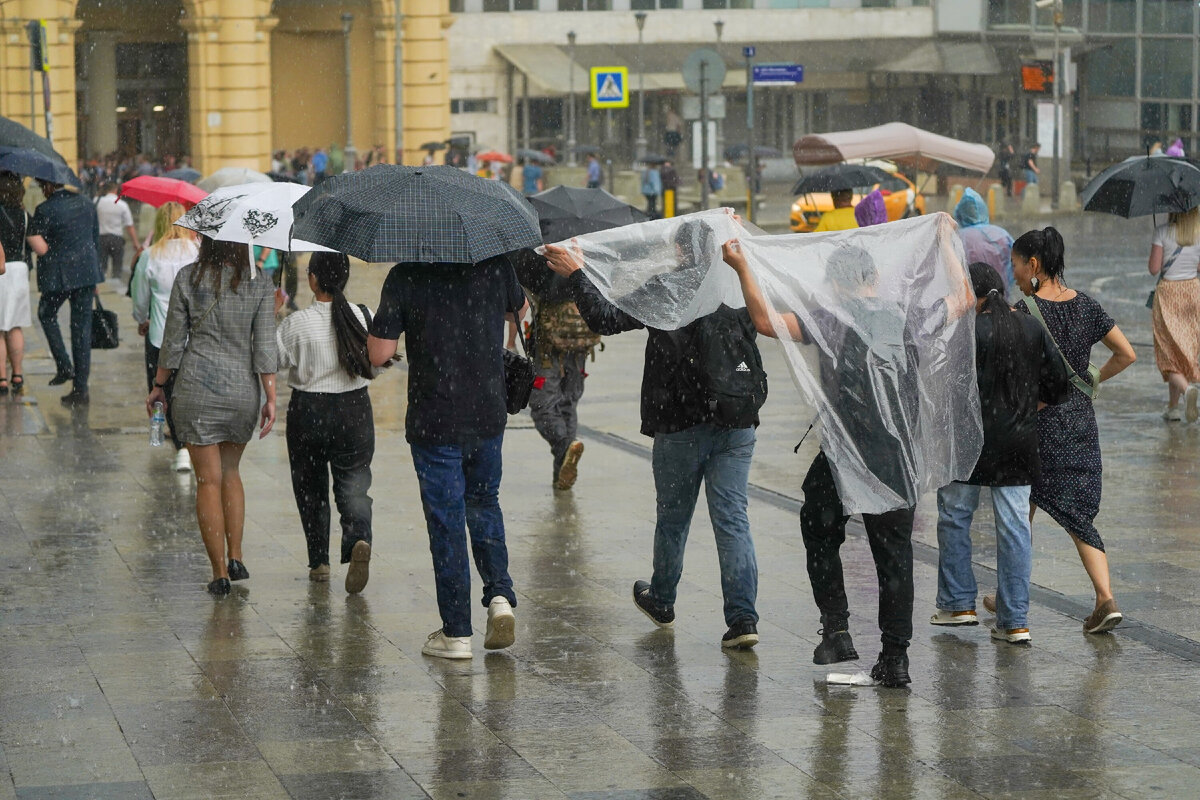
65, 234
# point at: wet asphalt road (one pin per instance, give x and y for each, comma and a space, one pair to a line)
121, 678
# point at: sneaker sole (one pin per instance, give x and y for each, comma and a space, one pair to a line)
360, 568
1192, 397
743, 642
1107, 624
650, 617
501, 632
1020, 638
954, 624
568, 473
446, 654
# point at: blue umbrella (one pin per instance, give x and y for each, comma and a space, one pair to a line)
184, 174
33, 164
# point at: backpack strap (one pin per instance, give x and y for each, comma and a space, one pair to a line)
1089, 389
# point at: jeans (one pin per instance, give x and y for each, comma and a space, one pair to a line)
81, 300
460, 491
331, 433
1014, 551
112, 248
554, 405
720, 457
1031, 176
151, 352
823, 525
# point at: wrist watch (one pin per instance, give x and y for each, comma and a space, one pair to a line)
158, 385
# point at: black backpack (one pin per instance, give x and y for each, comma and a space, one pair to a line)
727, 366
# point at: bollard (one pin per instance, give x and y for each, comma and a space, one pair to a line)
1068, 198
1031, 200
995, 202
668, 203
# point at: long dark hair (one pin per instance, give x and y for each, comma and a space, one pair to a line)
1010, 360
1047, 246
215, 256
332, 270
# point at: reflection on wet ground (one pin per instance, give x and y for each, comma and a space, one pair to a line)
121, 678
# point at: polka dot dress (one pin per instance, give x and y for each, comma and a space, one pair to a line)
1068, 439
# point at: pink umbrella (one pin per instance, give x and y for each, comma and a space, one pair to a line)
158, 191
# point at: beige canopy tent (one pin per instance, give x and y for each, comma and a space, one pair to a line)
896, 141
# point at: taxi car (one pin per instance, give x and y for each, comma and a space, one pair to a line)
901, 198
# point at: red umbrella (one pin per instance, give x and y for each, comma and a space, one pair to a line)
157, 191
494, 155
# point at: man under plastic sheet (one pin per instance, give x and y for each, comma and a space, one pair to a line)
870, 355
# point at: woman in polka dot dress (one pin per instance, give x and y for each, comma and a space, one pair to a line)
1068, 439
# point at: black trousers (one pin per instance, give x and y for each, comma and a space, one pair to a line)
331, 433
823, 524
81, 300
112, 248
151, 372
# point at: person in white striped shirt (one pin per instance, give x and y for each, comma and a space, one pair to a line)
330, 427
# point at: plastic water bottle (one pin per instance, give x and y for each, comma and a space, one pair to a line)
157, 421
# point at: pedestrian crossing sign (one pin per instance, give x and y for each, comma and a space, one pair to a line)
610, 87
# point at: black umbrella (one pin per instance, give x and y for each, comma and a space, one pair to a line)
184, 174
653, 158
34, 164
537, 156
426, 214
739, 151
839, 178
14, 134
567, 211
1144, 185
432, 146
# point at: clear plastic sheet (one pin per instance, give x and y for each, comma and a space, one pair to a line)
888, 357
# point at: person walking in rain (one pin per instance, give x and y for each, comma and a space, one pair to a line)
115, 220
841, 217
15, 309
652, 188
452, 317
1029, 164
981, 240
330, 425
695, 441
1068, 488
1017, 370
1175, 311
593, 171
219, 345
871, 210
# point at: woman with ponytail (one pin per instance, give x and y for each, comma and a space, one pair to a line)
1018, 369
330, 426
1069, 441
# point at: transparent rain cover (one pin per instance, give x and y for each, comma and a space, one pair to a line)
888, 357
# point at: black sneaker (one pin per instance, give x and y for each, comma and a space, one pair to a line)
835, 646
662, 615
73, 399
891, 670
62, 377
742, 635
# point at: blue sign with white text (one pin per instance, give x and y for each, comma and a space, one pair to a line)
779, 74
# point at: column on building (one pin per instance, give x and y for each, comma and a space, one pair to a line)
101, 57
385, 79
229, 79
426, 75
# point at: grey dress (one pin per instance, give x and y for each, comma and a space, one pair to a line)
218, 357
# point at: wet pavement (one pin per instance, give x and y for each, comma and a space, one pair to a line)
121, 678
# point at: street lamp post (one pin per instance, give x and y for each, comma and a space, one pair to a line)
640, 146
350, 153
571, 160
1058, 20
719, 125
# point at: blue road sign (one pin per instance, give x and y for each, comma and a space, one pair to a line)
779, 74
610, 87
748, 51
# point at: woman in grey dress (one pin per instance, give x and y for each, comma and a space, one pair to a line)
220, 341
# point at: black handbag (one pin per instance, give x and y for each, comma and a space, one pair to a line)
518, 379
104, 328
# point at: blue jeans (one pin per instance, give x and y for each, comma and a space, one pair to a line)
460, 491
720, 457
1014, 551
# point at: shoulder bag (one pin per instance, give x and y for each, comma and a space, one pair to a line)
1162, 273
518, 378
104, 327
1090, 389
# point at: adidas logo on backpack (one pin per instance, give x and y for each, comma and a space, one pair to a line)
742, 367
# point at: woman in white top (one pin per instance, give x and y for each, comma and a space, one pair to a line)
330, 426
154, 274
14, 281
1174, 257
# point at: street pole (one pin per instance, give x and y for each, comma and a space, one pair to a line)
399, 77
719, 126
640, 146
1058, 18
703, 136
751, 160
571, 160
350, 154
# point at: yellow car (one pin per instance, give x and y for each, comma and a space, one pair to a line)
900, 197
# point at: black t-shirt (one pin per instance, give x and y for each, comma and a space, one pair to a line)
1029, 161
452, 318
14, 226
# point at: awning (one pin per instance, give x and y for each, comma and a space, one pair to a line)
895, 140
947, 58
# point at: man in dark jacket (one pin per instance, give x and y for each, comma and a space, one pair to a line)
65, 234
689, 448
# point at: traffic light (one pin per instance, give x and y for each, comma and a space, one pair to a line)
39, 53
1037, 77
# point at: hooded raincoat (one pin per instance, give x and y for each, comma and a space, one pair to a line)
983, 241
871, 210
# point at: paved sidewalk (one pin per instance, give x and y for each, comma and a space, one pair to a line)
121, 678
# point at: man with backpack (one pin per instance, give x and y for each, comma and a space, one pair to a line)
561, 343
702, 387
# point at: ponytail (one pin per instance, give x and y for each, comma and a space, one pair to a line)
1012, 366
332, 271
1047, 247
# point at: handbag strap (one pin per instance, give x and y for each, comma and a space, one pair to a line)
1170, 262
207, 311
1089, 389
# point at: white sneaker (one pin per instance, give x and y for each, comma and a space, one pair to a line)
1011, 635
183, 461
1190, 397
944, 617
1173, 414
501, 625
439, 645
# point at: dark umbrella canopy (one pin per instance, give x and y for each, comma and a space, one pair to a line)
14, 134
427, 214
34, 164
567, 211
184, 174
536, 156
1143, 185
839, 178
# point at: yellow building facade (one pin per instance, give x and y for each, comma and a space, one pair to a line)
227, 82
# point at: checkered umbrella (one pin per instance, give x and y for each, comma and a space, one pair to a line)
389, 213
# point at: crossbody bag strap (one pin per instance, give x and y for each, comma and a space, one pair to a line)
1089, 389
1170, 262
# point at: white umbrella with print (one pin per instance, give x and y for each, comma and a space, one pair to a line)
254, 213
